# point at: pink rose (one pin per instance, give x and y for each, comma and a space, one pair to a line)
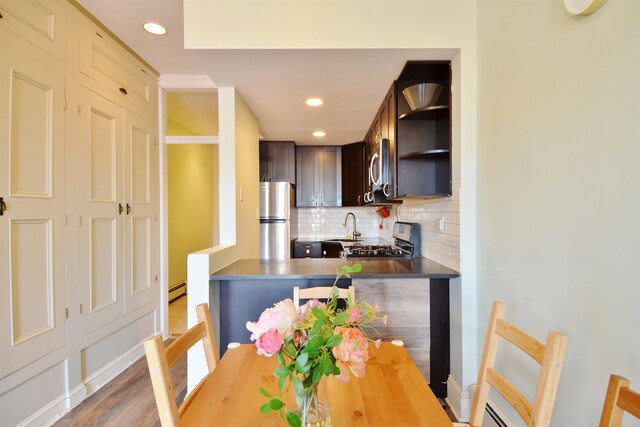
353, 351
279, 318
269, 343
305, 309
354, 315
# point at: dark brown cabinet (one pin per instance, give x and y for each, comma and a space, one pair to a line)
307, 249
318, 176
353, 169
277, 161
419, 141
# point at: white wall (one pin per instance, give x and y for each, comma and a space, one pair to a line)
559, 188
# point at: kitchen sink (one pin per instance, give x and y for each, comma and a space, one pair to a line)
344, 240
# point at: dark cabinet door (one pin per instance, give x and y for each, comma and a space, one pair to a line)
307, 250
278, 161
306, 176
353, 183
328, 184
318, 176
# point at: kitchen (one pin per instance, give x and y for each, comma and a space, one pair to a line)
531, 225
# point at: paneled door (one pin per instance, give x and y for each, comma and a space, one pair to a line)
141, 190
32, 290
102, 209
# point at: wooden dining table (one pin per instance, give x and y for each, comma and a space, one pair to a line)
391, 393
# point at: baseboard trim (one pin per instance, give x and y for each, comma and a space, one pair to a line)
459, 400
97, 380
48, 414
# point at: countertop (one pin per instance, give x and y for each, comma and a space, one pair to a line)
325, 268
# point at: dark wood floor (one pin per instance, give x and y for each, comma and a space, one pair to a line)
127, 400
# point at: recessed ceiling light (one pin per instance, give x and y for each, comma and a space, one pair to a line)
314, 102
154, 28
318, 133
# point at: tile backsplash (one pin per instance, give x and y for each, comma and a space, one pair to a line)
441, 246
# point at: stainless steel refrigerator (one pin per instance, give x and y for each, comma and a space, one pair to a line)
277, 219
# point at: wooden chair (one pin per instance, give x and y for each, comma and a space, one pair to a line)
549, 356
620, 398
160, 360
321, 292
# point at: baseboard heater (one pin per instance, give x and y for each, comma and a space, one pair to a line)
493, 420
177, 290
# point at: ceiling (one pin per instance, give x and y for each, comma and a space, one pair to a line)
274, 83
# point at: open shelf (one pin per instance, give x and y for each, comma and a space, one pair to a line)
437, 153
425, 113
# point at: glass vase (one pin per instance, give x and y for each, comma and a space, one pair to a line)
313, 407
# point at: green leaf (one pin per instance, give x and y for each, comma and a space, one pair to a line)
312, 346
298, 387
266, 408
281, 372
281, 382
356, 268
301, 361
276, 404
290, 350
264, 392
317, 326
293, 419
334, 341
280, 358
317, 374
319, 314
341, 318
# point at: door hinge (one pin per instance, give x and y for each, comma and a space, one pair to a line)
79, 112
156, 278
65, 220
66, 313
80, 308
79, 220
65, 103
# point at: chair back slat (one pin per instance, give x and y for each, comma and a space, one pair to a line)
184, 342
549, 356
160, 359
522, 340
629, 400
321, 292
619, 398
510, 393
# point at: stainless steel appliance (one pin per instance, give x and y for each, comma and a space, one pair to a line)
406, 244
379, 172
277, 213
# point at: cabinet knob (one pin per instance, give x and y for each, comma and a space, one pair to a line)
120, 208
128, 209
3, 206
123, 91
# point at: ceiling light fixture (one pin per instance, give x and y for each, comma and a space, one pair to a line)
314, 102
318, 134
154, 28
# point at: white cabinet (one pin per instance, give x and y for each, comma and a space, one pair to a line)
32, 241
118, 202
107, 63
41, 22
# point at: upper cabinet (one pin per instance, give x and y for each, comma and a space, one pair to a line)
40, 22
423, 135
108, 63
353, 174
277, 161
418, 152
318, 176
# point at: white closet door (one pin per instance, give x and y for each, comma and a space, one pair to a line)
100, 197
141, 193
32, 290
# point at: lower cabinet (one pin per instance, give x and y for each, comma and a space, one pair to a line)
307, 250
318, 176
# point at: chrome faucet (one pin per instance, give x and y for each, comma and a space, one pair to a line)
356, 233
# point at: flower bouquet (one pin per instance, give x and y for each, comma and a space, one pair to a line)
311, 342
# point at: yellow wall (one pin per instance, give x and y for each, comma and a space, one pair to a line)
190, 181
175, 129
247, 181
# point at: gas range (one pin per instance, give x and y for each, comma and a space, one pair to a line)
406, 244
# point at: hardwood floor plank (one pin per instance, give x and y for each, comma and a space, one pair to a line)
127, 400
